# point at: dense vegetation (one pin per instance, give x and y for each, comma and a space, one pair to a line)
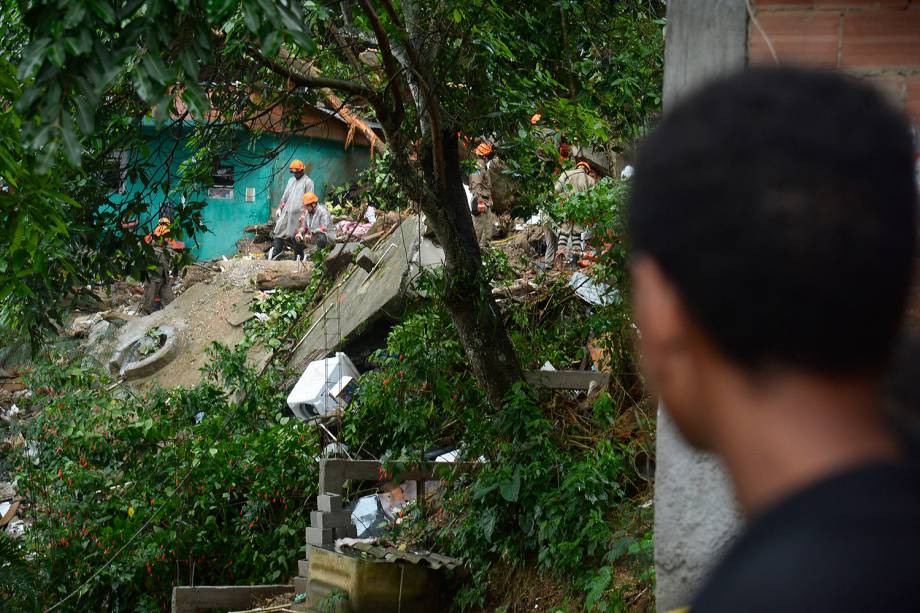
134, 494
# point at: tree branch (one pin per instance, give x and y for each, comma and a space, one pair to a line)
431, 105
326, 85
350, 55
389, 60
311, 81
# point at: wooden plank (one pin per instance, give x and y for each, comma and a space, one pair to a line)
567, 379
186, 599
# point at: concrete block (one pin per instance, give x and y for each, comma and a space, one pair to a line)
329, 503
367, 259
340, 257
319, 519
300, 585
320, 536
349, 531
303, 568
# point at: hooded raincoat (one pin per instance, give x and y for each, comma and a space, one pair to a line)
292, 199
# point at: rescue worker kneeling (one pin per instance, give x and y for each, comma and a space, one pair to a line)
316, 227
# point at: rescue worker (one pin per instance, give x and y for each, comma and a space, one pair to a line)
571, 237
158, 290
316, 227
289, 211
480, 181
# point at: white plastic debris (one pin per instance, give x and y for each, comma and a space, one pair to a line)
261, 316
350, 542
450, 456
368, 516
16, 527
323, 386
336, 449
591, 291
547, 366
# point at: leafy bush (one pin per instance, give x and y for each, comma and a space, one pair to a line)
132, 495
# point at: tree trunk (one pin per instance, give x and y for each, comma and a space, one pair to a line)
269, 279
468, 295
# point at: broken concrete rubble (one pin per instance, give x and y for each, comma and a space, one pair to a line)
212, 310
363, 296
142, 355
340, 257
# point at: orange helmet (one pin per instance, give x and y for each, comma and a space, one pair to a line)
310, 198
297, 165
483, 149
162, 227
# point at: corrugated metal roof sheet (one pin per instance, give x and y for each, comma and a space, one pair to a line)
389, 553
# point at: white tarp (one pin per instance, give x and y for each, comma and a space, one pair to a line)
321, 386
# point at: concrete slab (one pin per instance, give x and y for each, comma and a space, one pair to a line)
208, 311
364, 296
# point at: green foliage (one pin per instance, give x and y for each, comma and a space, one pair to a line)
422, 383
286, 310
17, 577
210, 481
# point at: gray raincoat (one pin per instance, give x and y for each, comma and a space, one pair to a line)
289, 220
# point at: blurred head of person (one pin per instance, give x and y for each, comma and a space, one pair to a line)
772, 221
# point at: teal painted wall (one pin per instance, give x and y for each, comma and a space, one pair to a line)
326, 161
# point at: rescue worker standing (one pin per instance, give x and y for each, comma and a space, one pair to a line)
158, 291
480, 181
289, 211
570, 239
316, 227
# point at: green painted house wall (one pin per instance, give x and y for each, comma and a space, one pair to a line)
326, 162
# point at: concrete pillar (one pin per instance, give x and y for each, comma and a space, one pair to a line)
695, 511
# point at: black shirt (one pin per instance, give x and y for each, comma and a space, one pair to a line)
848, 543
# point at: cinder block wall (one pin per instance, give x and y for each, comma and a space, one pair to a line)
877, 40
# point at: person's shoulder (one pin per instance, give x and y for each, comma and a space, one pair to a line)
846, 544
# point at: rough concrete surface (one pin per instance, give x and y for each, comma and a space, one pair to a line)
695, 513
695, 516
364, 296
204, 313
